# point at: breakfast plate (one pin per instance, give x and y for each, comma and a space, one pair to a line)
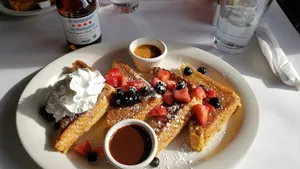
225, 150
6, 10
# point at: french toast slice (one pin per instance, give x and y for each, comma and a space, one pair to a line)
200, 135
168, 127
73, 127
137, 111
23, 5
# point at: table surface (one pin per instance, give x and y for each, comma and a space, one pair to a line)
29, 43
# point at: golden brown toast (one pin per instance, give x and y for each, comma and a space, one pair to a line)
167, 128
75, 127
200, 135
138, 111
23, 5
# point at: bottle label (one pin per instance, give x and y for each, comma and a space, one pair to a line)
82, 31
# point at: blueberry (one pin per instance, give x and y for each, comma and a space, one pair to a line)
160, 89
117, 102
120, 93
155, 162
129, 101
160, 83
132, 91
137, 98
181, 85
188, 71
203, 87
145, 90
202, 70
215, 102
56, 125
92, 156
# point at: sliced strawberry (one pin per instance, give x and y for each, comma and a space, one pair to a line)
158, 111
122, 81
182, 95
210, 107
125, 88
171, 84
100, 151
199, 93
211, 93
114, 72
83, 148
111, 80
155, 80
202, 113
163, 75
168, 97
138, 84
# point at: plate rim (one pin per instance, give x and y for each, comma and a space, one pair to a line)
7, 11
239, 156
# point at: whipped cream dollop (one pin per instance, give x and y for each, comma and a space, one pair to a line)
75, 93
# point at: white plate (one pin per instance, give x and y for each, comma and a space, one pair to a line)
4, 9
224, 152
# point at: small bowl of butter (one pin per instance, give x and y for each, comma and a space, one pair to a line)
147, 53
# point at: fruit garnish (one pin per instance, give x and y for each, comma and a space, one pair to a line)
181, 84
188, 71
201, 112
100, 151
92, 156
163, 75
199, 93
210, 107
215, 102
122, 81
154, 81
168, 97
171, 84
202, 70
82, 148
158, 111
138, 84
114, 72
182, 95
111, 80
211, 93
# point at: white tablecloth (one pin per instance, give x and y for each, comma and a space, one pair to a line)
29, 43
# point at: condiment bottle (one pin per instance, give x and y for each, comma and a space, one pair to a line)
80, 21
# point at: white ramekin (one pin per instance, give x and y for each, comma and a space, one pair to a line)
144, 64
121, 124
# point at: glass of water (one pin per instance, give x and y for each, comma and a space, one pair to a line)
237, 22
125, 6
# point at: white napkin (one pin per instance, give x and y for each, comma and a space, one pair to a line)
278, 62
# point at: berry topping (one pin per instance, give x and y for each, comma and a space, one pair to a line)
202, 113
188, 71
203, 87
129, 101
155, 162
181, 84
163, 75
138, 84
122, 81
114, 72
202, 70
83, 148
182, 95
56, 125
171, 84
158, 111
215, 102
160, 83
111, 80
132, 91
100, 151
199, 93
119, 93
137, 98
211, 93
160, 88
168, 97
210, 107
155, 80
92, 156
117, 102
145, 90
